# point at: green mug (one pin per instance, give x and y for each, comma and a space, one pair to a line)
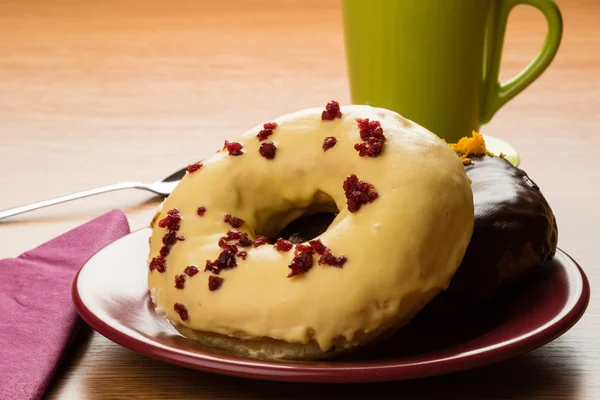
437, 62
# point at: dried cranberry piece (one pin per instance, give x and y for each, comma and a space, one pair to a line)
200, 211
214, 282
264, 134
171, 221
234, 148
300, 248
267, 150
165, 250
372, 148
179, 281
239, 238
231, 248
317, 246
372, 134
233, 234
180, 238
226, 260
233, 221
369, 129
243, 254
329, 259
210, 267
301, 263
194, 167
332, 111
283, 245
159, 264
267, 131
190, 270
329, 142
260, 240
358, 193
227, 246
182, 311
170, 238
244, 240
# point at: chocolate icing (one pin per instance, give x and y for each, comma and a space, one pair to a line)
515, 232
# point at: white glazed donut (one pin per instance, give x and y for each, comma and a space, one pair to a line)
392, 247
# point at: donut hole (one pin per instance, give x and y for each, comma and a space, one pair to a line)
305, 228
312, 222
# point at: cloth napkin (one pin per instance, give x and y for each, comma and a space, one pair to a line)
37, 317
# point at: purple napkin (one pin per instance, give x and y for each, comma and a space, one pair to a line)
37, 317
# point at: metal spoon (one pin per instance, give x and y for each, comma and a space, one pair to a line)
163, 188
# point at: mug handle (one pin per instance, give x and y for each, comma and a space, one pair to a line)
498, 94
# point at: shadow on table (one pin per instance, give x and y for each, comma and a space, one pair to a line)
527, 376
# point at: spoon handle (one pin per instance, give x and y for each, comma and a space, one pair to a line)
73, 196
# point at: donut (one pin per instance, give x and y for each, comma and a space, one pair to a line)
515, 232
404, 218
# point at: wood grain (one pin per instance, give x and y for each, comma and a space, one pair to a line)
93, 93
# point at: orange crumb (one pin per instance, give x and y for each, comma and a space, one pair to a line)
470, 146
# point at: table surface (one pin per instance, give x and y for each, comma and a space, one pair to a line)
96, 92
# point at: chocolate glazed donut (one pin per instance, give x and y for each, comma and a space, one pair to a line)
515, 233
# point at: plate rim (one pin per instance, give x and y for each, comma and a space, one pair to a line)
367, 371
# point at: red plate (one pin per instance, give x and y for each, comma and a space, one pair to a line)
110, 294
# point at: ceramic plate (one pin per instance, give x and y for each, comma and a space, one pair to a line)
111, 295
497, 146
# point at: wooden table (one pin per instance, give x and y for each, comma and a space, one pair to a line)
94, 92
